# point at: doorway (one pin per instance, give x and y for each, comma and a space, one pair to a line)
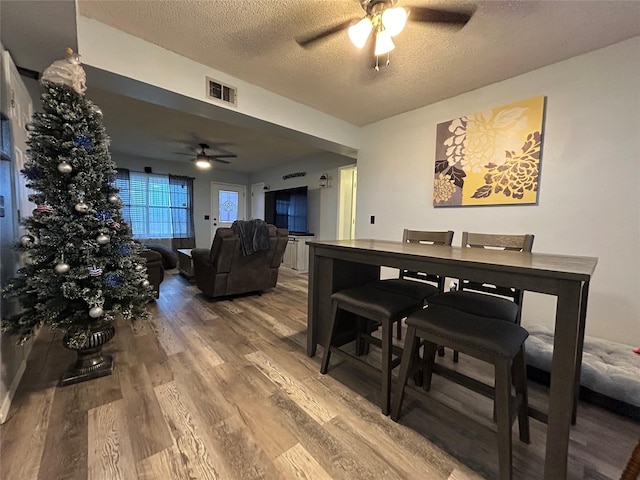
348, 184
228, 204
257, 200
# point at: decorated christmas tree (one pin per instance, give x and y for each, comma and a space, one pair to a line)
82, 267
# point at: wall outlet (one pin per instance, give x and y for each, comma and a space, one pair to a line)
373, 219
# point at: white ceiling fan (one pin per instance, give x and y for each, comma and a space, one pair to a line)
384, 20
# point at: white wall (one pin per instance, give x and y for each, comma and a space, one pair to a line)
201, 186
322, 206
112, 50
590, 178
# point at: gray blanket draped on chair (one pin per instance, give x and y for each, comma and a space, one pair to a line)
254, 235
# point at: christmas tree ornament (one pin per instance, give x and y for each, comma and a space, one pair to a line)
103, 215
138, 268
65, 167
83, 142
62, 268
124, 250
113, 280
96, 312
82, 207
67, 72
103, 239
116, 225
114, 199
145, 283
95, 272
44, 208
28, 240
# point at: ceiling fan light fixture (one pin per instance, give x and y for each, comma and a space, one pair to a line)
203, 163
394, 20
359, 33
384, 43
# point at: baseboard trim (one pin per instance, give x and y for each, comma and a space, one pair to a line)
6, 401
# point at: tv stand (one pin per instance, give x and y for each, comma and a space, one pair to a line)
296, 255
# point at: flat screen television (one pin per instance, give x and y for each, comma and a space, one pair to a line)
287, 209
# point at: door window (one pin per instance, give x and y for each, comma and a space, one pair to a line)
228, 206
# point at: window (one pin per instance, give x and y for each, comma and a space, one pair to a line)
156, 206
228, 206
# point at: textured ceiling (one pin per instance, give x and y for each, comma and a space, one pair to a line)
254, 40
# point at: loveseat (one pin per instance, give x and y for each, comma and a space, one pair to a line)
224, 270
155, 270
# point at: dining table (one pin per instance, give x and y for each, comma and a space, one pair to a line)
338, 264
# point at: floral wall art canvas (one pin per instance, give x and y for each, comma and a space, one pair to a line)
491, 157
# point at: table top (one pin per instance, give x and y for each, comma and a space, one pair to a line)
558, 266
185, 251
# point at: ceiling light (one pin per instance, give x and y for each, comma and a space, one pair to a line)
359, 32
394, 20
203, 163
384, 44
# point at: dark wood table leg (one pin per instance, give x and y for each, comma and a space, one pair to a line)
312, 304
563, 371
581, 328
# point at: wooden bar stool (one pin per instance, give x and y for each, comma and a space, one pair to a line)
494, 341
418, 285
483, 299
380, 306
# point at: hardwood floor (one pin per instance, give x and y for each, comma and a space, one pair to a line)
224, 390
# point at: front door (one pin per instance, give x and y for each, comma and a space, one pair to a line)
228, 204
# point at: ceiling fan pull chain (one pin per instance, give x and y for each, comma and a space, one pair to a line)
377, 66
388, 58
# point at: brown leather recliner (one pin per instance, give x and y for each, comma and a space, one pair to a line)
224, 270
155, 270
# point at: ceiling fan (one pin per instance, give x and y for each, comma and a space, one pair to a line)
383, 20
204, 161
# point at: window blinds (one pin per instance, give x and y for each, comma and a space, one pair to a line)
156, 206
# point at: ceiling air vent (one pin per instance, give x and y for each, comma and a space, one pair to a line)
220, 92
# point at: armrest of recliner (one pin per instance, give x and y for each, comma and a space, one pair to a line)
200, 256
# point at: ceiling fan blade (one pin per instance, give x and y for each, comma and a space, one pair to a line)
182, 153
224, 155
433, 15
216, 159
311, 39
